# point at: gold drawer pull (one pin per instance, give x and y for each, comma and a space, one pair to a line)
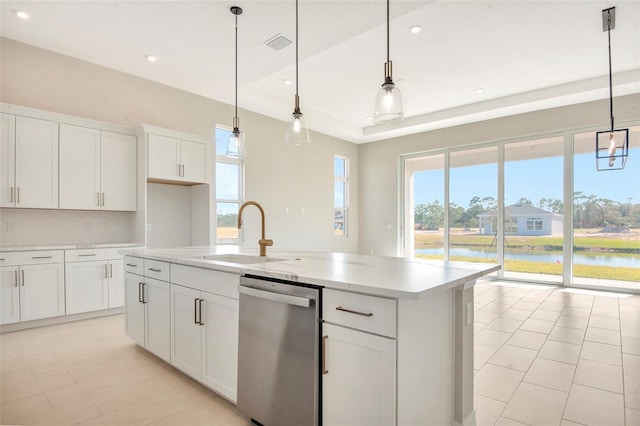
364, 314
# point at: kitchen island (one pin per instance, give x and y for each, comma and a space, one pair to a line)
397, 333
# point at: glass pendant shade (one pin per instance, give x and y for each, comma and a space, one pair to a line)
612, 149
235, 145
297, 132
388, 108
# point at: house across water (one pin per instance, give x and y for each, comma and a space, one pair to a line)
522, 219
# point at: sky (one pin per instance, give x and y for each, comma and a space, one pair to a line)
533, 179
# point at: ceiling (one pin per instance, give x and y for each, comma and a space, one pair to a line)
524, 55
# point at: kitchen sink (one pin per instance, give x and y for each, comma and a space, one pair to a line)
244, 259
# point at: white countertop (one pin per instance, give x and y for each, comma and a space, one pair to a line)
68, 246
395, 277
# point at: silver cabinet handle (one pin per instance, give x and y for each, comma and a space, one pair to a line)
200, 311
110, 270
11, 195
140, 292
18, 197
277, 297
324, 355
155, 270
22, 277
103, 199
132, 265
105, 272
178, 170
183, 170
364, 314
195, 311
41, 257
15, 275
98, 198
86, 255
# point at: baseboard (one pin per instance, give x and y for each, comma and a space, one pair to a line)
24, 325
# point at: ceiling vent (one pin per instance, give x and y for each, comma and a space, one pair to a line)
278, 42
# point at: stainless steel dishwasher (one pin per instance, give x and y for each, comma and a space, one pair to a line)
278, 352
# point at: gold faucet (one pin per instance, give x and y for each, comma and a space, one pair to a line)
264, 243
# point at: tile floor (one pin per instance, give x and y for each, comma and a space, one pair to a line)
542, 356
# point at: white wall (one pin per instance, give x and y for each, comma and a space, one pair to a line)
378, 222
277, 175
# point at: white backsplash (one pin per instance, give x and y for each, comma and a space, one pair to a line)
35, 227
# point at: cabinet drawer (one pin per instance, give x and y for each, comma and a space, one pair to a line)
367, 313
221, 283
31, 257
83, 255
133, 265
157, 269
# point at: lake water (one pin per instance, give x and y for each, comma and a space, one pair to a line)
579, 259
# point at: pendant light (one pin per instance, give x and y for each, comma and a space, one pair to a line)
612, 146
298, 132
388, 108
235, 145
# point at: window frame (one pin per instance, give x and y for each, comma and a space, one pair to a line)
345, 208
219, 158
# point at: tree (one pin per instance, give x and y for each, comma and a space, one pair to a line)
525, 200
554, 205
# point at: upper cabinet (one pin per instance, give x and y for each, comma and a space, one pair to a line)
97, 169
174, 159
29, 162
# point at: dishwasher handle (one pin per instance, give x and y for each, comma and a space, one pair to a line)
304, 302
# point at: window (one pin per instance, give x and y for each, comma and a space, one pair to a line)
229, 190
534, 224
341, 195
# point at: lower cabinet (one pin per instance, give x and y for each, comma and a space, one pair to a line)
147, 312
94, 285
204, 338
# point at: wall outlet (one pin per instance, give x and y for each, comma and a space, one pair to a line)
11, 226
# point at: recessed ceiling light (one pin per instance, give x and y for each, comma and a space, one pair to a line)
415, 29
21, 14
151, 58
286, 81
479, 90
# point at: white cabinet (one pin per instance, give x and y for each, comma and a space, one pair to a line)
32, 285
94, 280
147, 312
29, 161
173, 159
204, 327
97, 169
359, 368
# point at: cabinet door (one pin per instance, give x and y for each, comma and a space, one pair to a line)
195, 161
41, 291
79, 168
134, 310
163, 154
7, 160
220, 344
158, 311
186, 346
116, 283
118, 171
36, 163
359, 386
9, 294
87, 286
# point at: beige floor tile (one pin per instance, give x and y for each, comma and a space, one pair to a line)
492, 338
567, 335
566, 422
632, 417
605, 302
631, 329
596, 407
548, 305
602, 335
503, 421
506, 300
193, 394
26, 361
526, 306
545, 315
488, 410
602, 322
632, 392
527, 404
560, 351
631, 345
14, 410
497, 382
527, 339
599, 375
26, 387
481, 355
601, 352
484, 316
533, 298
552, 374
505, 324
70, 414
605, 313
107, 367
514, 357
495, 307
577, 312
631, 365
517, 314
144, 412
210, 414
572, 322
478, 327
538, 326
581, 301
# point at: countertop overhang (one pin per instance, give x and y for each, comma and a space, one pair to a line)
396, 277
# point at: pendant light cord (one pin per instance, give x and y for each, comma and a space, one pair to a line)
296, 48
236, 67
610, 73
387, 31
